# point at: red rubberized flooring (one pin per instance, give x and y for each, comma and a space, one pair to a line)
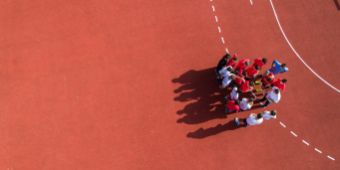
122, 84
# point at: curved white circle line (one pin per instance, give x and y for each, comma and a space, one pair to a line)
296, 53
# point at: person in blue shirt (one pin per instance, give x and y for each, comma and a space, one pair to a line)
277, 67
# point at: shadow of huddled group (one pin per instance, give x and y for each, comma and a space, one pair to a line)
231, 87
205, 101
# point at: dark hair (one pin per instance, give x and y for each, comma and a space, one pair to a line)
283, 65
251, 83
284, 80
229, 69
259, 116
247, 63
257, 67
276, 91
273, 112
227, 56
264, 60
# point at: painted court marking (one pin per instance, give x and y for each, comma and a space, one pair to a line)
281, 123
251, 2
219, 29
296, 53
294, 134
305, 142
213, 8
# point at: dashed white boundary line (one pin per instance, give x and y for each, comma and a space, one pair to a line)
317, 150
251, 2
213, 8
294, 134
330, 157
306, 143
216, 18
282, 124
296, 53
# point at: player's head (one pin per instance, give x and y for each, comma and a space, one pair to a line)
284, 80
259, 116
229, 69
264, 60
251, 83
247, 63
257, 67
283, 65
235, 88
276, 91
227, 56
273, 112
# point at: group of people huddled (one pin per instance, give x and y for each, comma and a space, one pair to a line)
246, 85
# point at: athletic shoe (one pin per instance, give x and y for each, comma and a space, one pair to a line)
237, 121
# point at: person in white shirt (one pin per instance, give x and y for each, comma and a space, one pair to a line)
226, 75
252, 119
267, 115
256, 119
234, 94
246, 104
273, 96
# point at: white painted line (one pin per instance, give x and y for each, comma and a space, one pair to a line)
251, 2
294, 134
226, 50
305, 142
216, 19
213, 7
211, 0
222, 39
219, 29
296, 53
317, 150
330, 157
283, 125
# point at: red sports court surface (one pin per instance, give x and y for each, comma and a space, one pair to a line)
129, 84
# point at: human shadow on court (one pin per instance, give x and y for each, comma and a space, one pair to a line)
205, 99
202, 133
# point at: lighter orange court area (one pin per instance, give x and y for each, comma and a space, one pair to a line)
127, 85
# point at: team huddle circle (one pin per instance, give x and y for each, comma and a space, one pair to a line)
248, 85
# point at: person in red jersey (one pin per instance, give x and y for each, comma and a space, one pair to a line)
260, 62
252, 72
232, 61
246, 86
232, 106
238, 80
242, 65
267, 79
280, 83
